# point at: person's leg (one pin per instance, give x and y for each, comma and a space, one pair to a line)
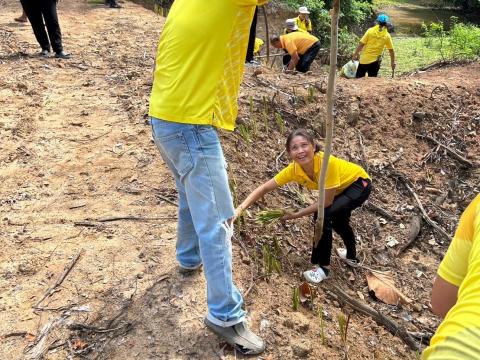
34, 14
251, 39
321, 253
373, 69
196, 156
361, 70
341, 225
306, 60
49, 12
187, 247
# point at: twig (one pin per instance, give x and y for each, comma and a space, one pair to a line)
450, 151
95, 329
164, 198
16, 333
377, 316
134, 218
362, 149
425, 216
373, 207
52, 289
91, 139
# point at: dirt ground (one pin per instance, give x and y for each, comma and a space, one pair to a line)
83, 188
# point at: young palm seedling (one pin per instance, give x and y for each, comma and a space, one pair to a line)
244, 132
322, 324
280, 123
343, 325
268, 216
296, 298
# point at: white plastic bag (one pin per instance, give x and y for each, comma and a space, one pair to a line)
349, 70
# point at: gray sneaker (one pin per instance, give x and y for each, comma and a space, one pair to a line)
239, 336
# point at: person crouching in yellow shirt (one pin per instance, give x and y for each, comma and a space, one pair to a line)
371, 47
456, 293
347, 187
302, 49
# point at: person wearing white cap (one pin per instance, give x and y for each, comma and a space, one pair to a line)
302, 20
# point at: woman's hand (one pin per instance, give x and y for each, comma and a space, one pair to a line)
237, 213
288, 216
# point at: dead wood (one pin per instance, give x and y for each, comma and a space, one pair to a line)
425, 216
414, 227
135, 218
453, 153
362, 149
376, 315
60, 280
373, 207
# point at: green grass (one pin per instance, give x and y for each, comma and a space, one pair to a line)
411, 53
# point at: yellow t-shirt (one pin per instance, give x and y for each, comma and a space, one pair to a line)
458, 336
375, 41
199, 68
340, 174
302, 24
297, 41
257, 45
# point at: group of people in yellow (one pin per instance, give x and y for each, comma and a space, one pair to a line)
195, 89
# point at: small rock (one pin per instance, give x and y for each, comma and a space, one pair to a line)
302, 349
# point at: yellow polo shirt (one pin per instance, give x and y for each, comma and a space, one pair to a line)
375, 41
257, 45
340, 174
458, 336
298, 41
302, 24
200, 61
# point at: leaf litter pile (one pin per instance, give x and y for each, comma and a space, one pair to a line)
80, 172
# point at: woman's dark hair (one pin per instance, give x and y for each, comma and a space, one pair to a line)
303, 133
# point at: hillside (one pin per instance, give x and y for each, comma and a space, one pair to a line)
87, 206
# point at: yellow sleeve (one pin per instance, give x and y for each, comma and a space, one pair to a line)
365, 37
285, 176
389, 43
454, 265
332, 179
309, 26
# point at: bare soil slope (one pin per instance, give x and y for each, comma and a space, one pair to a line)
81, 176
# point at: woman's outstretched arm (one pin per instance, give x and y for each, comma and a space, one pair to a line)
255, 195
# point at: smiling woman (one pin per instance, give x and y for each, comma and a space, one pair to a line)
347, 186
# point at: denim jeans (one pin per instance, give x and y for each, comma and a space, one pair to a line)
194, 155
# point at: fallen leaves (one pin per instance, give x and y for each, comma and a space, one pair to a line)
382, 285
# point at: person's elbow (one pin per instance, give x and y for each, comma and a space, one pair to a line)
443, 297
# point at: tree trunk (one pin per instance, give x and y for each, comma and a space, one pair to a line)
329, 121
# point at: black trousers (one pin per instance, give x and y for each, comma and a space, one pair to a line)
251, 38
306, 59
370, 69
39, 10
337, 217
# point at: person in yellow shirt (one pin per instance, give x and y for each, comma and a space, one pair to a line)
302, 49
257, 47
371, 47
197, 77
302, 20
456, 293
291, 26
347, 186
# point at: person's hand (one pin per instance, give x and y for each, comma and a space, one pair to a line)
237, 213
288, 216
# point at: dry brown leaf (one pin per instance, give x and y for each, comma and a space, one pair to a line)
382, 284
305, 292
30, 337
78, 344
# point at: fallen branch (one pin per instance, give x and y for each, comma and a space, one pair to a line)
377, 316
362, 149
135, 218
450, 151
425, 216
60, 280
371, 206
413, 231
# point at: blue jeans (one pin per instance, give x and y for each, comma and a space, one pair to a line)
194, 155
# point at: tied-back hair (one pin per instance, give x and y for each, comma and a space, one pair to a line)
303, 133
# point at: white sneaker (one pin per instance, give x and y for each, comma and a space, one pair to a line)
342, 253
315, 276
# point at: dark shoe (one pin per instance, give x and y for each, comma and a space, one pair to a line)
115, 6
189, 271
62, 55
44, 53
239, 336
